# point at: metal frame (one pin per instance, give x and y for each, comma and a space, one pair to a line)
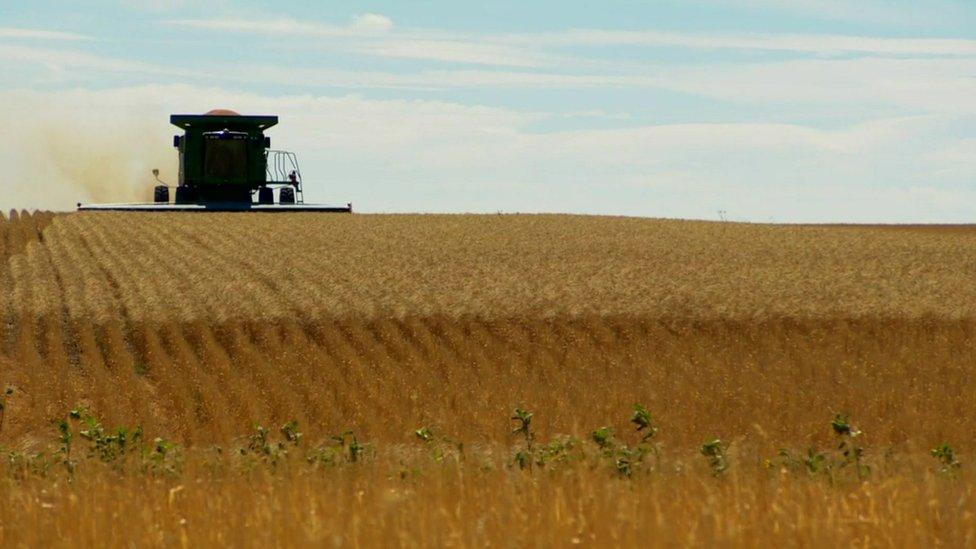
278, 165
214, 207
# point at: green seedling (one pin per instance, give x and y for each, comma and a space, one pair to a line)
20, 465
524, 427
260, 443
946, 457
630, 458
559, 450
714, 452
642, 419
523, 457
424, 434
627, 458
346, 443
162, 457
257, 442
64, 448
851, 452
440, 446
603, 437
813, 462
291, 433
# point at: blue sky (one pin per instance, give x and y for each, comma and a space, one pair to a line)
788, 111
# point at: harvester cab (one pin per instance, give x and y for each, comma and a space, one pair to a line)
227, 164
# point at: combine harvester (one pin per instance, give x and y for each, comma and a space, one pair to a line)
227, 165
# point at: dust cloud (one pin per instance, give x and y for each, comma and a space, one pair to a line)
108, 168
59, 153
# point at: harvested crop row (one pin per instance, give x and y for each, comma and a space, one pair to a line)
383, 378
232, 267
198, 326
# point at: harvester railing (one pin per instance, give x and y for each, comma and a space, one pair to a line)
281, 165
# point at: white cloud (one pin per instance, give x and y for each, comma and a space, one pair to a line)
454, 52
824, 44
39, 34
827, 9
272, 26
859, 87
886, 12
922, 85
376, 36
371, 22
76, 62
84, 66
373, 34
174, 6
368, 25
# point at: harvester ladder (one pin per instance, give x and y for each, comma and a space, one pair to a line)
279, 165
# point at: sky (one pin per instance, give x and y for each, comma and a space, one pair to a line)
751, 110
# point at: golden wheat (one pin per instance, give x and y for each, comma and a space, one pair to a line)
441, 505
224, 267
198, 326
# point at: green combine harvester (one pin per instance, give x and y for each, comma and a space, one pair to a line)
227, 164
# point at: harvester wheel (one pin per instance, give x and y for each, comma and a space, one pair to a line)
185, 195
265, 195
286, 195
161, 194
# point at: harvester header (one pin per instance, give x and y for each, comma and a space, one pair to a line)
227, 164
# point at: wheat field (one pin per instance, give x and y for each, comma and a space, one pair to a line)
198, 327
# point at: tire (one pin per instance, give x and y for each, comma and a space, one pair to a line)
265, 195
286, 195
185, 195
161, 194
